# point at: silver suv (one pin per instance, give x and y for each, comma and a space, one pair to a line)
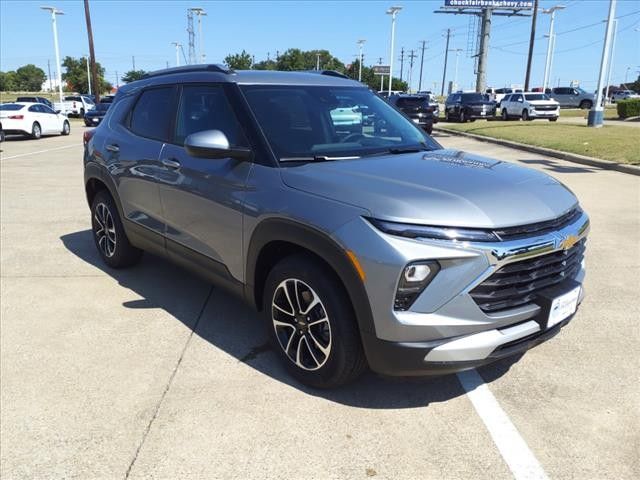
363, 247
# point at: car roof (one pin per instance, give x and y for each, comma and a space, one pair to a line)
219, 74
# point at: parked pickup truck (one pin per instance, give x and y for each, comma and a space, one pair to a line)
75, 105
571, 97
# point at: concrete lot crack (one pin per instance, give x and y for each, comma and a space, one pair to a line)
168, 385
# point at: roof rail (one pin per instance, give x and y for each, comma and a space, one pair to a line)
211, 67
330, 73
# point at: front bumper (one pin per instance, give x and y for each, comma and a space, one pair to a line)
445, 330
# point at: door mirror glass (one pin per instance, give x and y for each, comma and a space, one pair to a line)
213, 144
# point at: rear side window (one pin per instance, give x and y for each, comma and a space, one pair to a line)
11, 107
151, 116
205, 107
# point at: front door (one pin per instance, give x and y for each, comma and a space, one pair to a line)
203, 198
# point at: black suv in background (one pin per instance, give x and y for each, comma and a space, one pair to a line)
468, 106
417, 108
30, 99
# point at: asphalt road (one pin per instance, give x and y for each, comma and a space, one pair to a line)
152, 373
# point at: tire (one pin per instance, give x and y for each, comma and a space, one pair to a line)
446, 116
553, 119
81, 113
87, 124
2, 136
327, 339
66, 128
505, 115
114, 248
586, 104
525, 115
36, 131
462, 117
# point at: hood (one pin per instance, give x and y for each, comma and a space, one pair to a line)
441, 187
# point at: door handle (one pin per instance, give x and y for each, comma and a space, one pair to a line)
170, 163
113, 148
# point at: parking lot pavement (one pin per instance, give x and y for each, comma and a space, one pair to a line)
151, 372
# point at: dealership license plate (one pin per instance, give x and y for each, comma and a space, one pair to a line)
562, 307
483, 113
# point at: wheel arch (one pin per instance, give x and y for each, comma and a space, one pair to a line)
274, 239
95, 180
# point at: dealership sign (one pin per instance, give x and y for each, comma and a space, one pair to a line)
381, 69
515, 4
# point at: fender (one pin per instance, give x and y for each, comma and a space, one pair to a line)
321, 244
95, 171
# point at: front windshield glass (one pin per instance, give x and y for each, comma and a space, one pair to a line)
474, 97
306, 122
536, 96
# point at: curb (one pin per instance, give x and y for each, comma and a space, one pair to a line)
570, 157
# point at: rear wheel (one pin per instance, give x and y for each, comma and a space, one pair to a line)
36, 131
311, 323
586, 104
505, 115
109, 235
553, 119
66, 128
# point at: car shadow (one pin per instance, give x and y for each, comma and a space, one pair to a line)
231, 326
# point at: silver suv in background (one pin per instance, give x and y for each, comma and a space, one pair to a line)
571, 97
362, 247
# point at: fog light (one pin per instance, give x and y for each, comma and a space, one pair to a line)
414, 279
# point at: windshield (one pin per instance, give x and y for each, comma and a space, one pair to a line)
412, 102
536, 96
474, 97
308, 122
11, 106
103, 107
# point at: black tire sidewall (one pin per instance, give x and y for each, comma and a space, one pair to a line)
346, 359
125, 254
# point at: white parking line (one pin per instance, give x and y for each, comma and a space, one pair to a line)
40, 151
515, 452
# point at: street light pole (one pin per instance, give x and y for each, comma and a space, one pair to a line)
613, 51
361, 45
54, 11
550, 45
455, 75
177, 45
596, 114
393, 11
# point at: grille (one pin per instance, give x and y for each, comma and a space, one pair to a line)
518, 283
545, 107
523, 231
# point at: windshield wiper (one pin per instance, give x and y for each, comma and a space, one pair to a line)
316, 158
415, 149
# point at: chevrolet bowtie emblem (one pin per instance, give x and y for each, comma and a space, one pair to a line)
568, 242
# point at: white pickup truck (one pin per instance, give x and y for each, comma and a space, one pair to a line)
75, 105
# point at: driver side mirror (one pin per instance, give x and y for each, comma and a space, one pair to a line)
214, 144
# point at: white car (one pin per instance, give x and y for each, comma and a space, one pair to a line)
32, 119
529, 106
624, 95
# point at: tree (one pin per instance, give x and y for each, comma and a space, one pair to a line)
133, 75
76, 75
30, 78
265, 65
239, 61
8, 82
296, 59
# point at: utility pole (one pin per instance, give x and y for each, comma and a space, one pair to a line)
401, 62
200, 13
167, 63
133, 60
92, 53
424, 42
532, 39
412, 55
596, 114
117, 80
446, 57
192, 37
51, 83
483, 50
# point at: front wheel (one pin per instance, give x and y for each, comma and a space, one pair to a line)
525, 115
553, 119
463, 117
311, 323
109, 235
66, 128
505, 115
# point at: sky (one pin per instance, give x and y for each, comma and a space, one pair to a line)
145, 30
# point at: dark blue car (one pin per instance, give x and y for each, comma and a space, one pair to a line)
94, 117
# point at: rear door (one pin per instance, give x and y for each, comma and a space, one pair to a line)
132, 149
203, 198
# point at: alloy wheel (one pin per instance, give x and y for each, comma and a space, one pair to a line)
105, 230
301, 324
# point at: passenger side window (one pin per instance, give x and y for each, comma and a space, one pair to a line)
206, 107
35, 108
151, 115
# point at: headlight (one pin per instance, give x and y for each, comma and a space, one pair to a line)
414, 279
438, 233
